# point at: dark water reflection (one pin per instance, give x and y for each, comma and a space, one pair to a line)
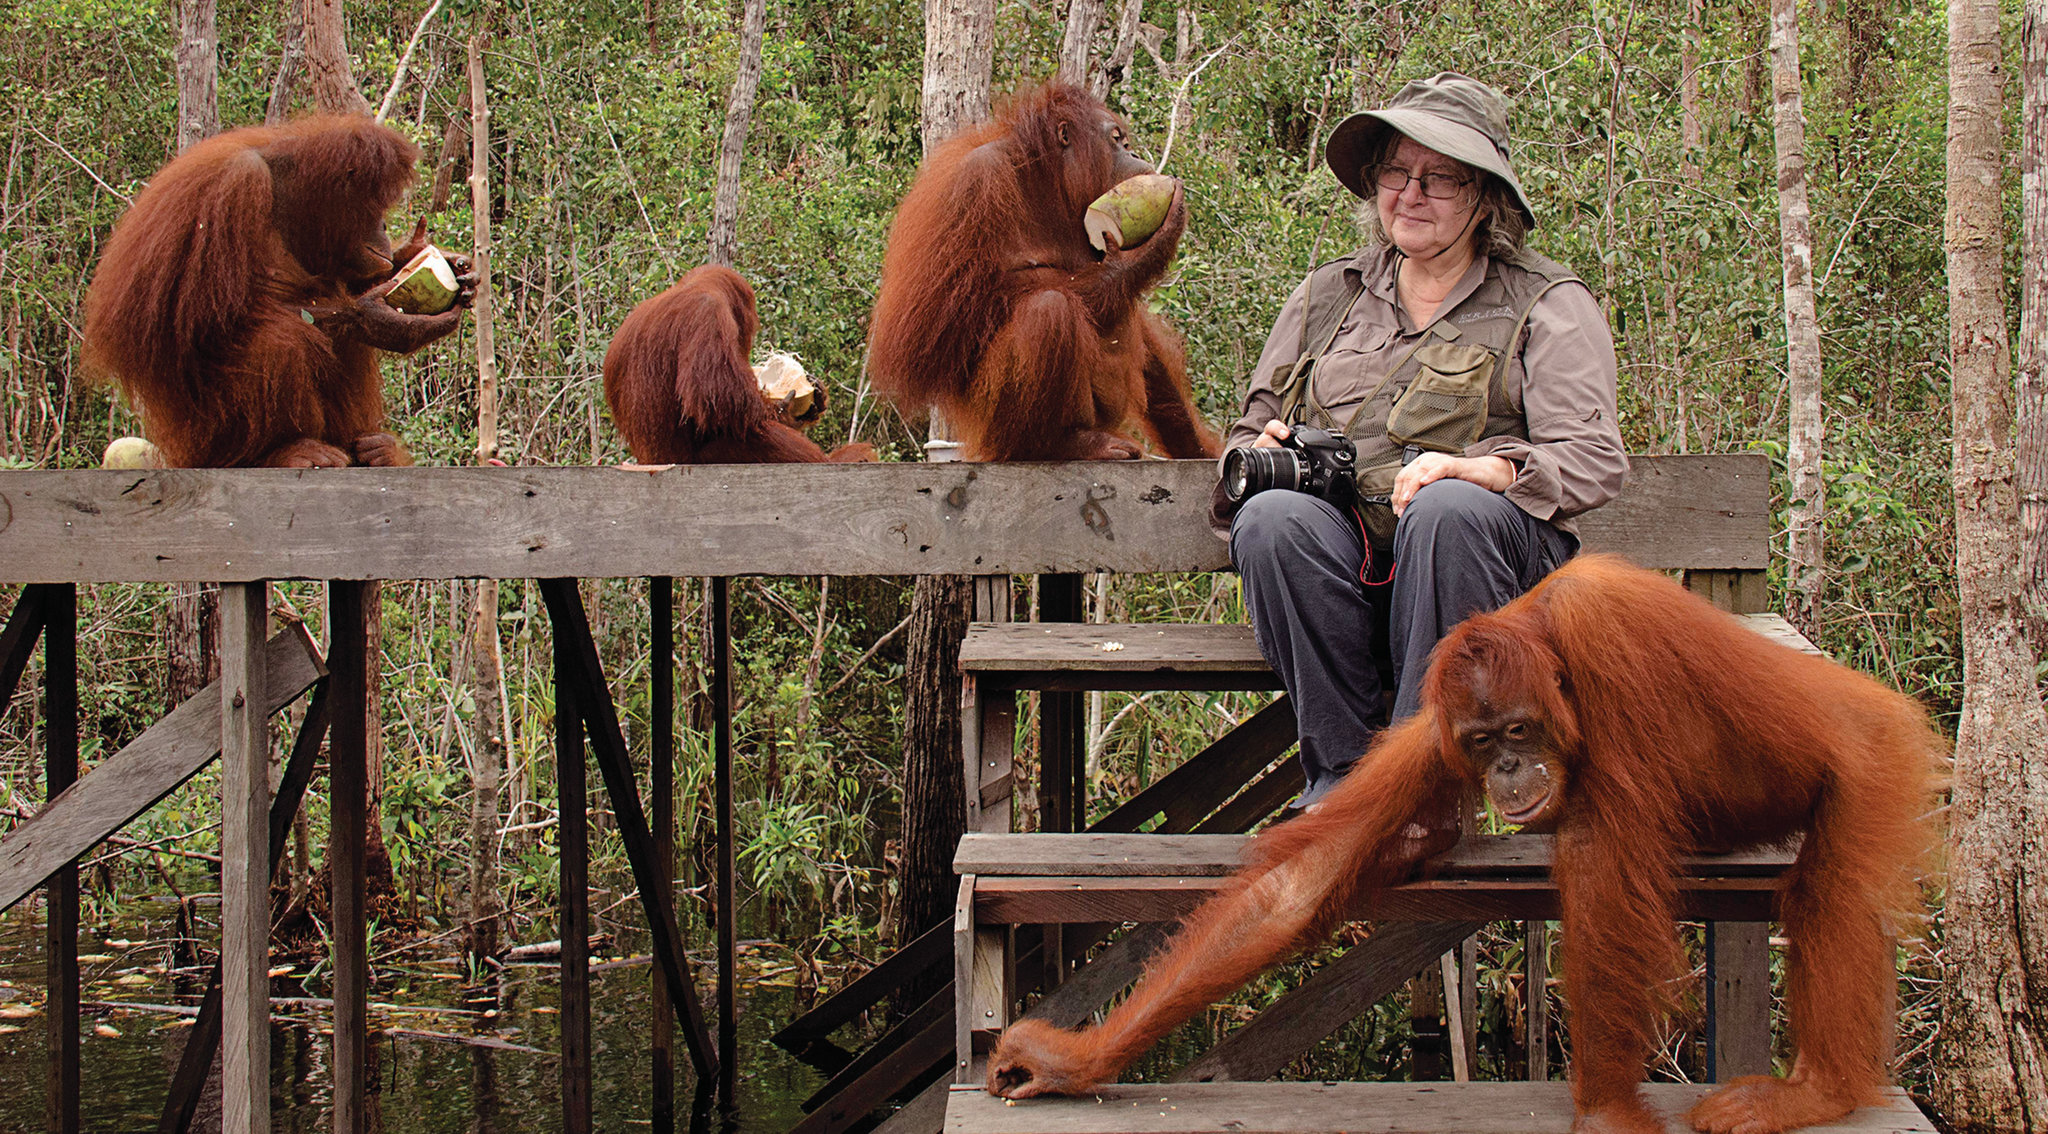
422, 1084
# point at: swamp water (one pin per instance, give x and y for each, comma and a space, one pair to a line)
432, 1076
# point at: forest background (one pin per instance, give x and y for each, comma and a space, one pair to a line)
604, 146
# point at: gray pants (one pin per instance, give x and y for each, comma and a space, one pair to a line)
1459, 549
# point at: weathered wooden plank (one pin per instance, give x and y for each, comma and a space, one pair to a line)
1067, 899
916, 1055
572, 833
1349, 1108
245, 866
1126, 855
148, 768
1112, 646
18, 638
203, 525
936, 1011
1367, 973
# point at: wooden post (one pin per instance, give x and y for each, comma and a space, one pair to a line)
661, 606
1738, 999
348, 762
721, 749
573, 827
1536, 997
60, 957
244, 877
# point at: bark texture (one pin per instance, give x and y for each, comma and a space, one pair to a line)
327, 65
1992, 1065
959, 53
292, 52
2033, 347
1083, 17
198, 72
732, 151
1807, 500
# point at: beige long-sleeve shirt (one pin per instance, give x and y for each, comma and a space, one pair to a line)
1560, 376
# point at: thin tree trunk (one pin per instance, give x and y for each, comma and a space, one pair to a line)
1118, 64
1990, 1074
739, 111
1807, 502
959, 52
292, 52
451, 152
327, 65
2033, 346
1083, 17
491, 733
198, 72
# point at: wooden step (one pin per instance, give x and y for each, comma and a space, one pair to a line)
1064, 878
1348, 1108
1115, 655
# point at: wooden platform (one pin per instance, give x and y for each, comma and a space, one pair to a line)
1346, 1108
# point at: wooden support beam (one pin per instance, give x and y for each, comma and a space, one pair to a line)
1339, 991
245, 881
578, 665
1536, 999
1738, 999
349, 638
661, 785
60, 923
18, 639
1200, 785
572, 827
726, 1065
1062, 747
926, 952
202, 1041
146, 769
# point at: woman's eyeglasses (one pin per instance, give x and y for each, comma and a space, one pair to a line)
1441, 186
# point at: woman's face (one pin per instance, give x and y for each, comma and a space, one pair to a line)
1420, 225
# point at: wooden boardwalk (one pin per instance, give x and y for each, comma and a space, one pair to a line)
1348, 1108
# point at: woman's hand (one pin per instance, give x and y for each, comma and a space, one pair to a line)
1275, 432
1494, 474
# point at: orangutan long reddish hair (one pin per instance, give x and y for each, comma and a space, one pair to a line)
681, 391
240, 300
994, 307
1643, 725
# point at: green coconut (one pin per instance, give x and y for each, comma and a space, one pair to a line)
426, 285
1133, 210
131, 453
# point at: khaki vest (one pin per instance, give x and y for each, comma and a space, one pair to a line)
1446, 393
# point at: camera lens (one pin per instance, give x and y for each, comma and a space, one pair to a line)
1249, 470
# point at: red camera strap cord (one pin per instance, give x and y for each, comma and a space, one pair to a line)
1365, 568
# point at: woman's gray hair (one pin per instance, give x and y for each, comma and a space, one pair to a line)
1502, 230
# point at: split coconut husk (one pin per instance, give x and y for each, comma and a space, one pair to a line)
787, 389
1133, 210
131, 453
426, 285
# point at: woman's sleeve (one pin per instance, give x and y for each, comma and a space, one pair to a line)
1573, 460
1283, 346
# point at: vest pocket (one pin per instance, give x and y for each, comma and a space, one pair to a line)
1444, 408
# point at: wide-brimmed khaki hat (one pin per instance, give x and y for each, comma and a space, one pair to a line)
1457, 116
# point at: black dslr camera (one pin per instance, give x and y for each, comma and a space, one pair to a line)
1310, 460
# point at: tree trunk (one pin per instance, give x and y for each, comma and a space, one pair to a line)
959, 51
451, 152
333, 80
198, 72
1118, 64
1990, 1074
739, 111
1807, 498
1083, 17
490, 730
292, 52
2033, 352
